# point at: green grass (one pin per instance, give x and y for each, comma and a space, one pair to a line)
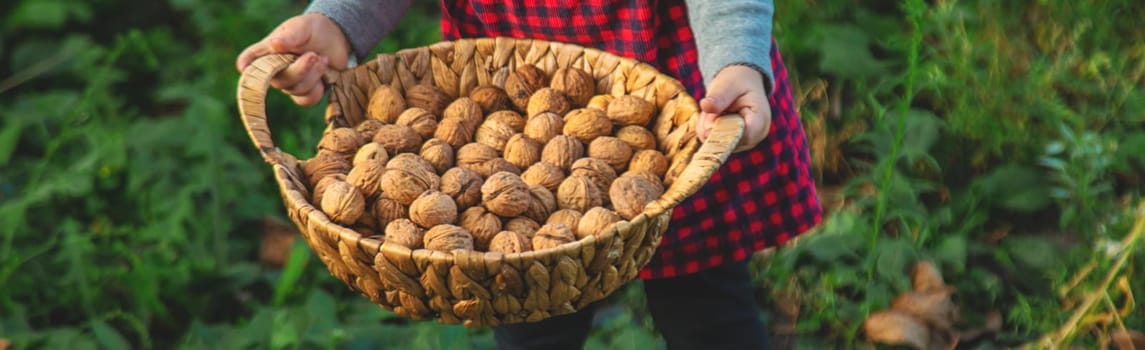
1000, 140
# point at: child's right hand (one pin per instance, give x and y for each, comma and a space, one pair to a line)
320, 44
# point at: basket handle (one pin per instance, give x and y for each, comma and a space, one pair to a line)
252, 92
721, 143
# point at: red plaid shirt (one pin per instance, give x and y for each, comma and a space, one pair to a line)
760, 198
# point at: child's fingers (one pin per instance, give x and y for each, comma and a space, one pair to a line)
757, 124
312, 77
259, 49
311, 97
307, 64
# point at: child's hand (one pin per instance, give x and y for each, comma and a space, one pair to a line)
320, 44
737, 89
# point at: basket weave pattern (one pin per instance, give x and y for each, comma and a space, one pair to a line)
480, 289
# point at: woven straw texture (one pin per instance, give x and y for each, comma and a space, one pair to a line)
483, 289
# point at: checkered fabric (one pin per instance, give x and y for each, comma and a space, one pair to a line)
761, 198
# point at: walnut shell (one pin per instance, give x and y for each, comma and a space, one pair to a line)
324, 183
562, 151
371, 152
494, 134
521, 151
542, 204
505, 194
433, 208
367, 177
455, 131
509, 242
656, 182
386, 103
543, 127
544, 174
574, 83
323, 164
596, 170
447, 238
569, 217
596, 221
463, 185
405, 233
474, 155
630, 110
385, 210
649, 160
481, 224
552, 235
637, 137
497, 165
512, 119
439, 153
612, 151
427, 97
630, 194
398, 139
586, 124
368, 127
522, 225
465, 109
343, 141
600, 102
408, 175
547, 100
343, 203
579, 193
491, 98
421, 121
522, 82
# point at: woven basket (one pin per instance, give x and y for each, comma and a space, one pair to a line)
480, 289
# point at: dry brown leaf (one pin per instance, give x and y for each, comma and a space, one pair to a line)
894, 327
1128, 339
932, 306
277, 238
926, 276
5, 343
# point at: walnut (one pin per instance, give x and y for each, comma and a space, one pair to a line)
405, 233
562, 151
447, 238
474, 155
656, 182
637, 137
454, 131
542, 204
343, 141
544, 174
386, 103
512, 119
463, 185
522, 82
385, 210
547, 100
552, 235
465, 109
433, 208
427, 97
630, 110
543, 127
367, 177
343, 203
482, 224
596, 170
586, 124
612, 151
491, 98
494, 134
497, 165
439, 153
505, 194
324, 183
522, 225
408, 175
630, 194
509, 242
649, 160
371, 152
398, 139
521, 151
580, 193
595, 222
323, 164
569, 217
600, 102
368, 127
421, 121
575, 83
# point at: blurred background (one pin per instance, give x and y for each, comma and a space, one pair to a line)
1003, 142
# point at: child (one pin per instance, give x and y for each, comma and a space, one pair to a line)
698, 286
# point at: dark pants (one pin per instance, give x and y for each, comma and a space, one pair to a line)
714, 309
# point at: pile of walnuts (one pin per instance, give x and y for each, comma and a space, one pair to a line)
536, 163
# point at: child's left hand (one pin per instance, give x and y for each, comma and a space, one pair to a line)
737, 89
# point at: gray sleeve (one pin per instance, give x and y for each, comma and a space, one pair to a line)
733, 32
364, 22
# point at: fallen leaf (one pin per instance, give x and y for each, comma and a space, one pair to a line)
5, 343
1128, 339
932, 306
926, 276
277, 238
894, 327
